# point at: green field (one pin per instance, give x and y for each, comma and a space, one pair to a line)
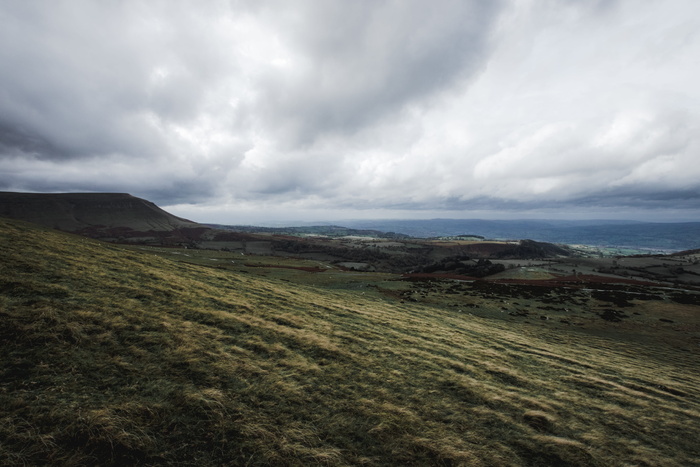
121, 356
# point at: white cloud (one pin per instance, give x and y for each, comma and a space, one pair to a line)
371, 105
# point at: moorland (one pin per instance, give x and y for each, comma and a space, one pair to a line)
354, 348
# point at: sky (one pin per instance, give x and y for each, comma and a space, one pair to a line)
240, 112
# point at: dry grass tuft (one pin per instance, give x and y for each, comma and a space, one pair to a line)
540, 421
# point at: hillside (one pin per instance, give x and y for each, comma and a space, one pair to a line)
123, 218
98, 215
115, 355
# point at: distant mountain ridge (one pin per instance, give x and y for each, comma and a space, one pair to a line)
631, 234
121, 216
93, 214
325, 230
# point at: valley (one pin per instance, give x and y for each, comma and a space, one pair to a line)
353, 348
566, 293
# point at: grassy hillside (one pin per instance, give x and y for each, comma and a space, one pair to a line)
116, 356
96, 213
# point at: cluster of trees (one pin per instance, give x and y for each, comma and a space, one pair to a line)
360, 255
325, 230
533, 249
463, 265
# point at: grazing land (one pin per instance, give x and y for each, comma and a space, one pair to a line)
121, 355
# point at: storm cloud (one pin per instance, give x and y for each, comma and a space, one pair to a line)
232, 111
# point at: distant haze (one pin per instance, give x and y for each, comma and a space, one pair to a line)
291, 111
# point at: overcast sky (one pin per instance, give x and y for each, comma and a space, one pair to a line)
253, 111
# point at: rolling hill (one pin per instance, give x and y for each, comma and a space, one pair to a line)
667, 236
117, 355
100, 215
122, 218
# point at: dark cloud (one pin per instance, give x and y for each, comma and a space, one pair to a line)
89, 79
16, 140
306, 106
367, 60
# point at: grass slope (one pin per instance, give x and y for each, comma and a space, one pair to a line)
96, 212
115, 356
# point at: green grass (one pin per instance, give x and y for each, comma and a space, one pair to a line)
114, 356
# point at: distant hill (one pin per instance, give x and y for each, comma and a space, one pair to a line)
99, 215
604, 233
319, 230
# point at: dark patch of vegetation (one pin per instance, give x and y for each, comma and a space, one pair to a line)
533, 249
619, 298
686, 298
322, 230
614, 316
462, 265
